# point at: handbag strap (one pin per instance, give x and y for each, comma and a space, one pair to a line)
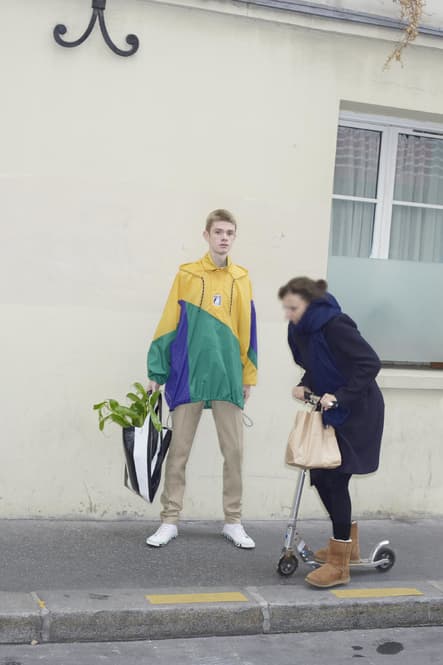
310, 406
314, 401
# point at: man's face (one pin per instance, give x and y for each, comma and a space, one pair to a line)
220, 238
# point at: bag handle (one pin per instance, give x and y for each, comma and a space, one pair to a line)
313, 401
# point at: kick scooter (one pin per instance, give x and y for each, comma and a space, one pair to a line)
381, 558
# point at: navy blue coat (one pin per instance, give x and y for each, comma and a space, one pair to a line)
359, 438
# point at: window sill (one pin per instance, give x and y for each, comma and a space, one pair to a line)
411, 379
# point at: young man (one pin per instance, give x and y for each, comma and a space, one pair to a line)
205, 351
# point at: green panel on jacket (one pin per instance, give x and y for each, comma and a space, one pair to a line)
215, 369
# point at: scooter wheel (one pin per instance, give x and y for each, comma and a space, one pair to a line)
385, 553
287, 565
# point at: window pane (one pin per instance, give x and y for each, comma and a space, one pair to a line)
419, 171
356, 162
416, 234
352, 228
395, 304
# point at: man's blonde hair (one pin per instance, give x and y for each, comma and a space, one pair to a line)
220, 215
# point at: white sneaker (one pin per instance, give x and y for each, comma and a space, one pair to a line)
164, 534
237, 535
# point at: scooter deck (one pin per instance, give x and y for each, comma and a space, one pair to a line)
363, 563
368, 563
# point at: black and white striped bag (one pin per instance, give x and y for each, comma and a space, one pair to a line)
145, 450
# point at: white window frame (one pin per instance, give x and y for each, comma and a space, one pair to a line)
390, 129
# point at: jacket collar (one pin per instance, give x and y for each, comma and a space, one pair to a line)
209, 265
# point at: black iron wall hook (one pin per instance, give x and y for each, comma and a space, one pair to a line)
98, 8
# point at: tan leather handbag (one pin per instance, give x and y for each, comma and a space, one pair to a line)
311, 445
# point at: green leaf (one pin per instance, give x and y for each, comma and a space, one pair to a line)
113, 404
139, 421
120, 420
125, 411
133, 398
154, 398
102, 422
155, 420
96, 407
140, 413
157, 424
141, 390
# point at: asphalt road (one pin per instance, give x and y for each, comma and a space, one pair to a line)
39, 554
407, 646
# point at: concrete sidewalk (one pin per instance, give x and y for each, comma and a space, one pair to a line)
97, 581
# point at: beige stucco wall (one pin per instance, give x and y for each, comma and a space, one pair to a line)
107, 169
432, 12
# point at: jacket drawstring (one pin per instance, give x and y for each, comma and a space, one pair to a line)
203, 292
232, 296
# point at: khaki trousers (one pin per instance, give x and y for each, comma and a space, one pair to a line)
229, 425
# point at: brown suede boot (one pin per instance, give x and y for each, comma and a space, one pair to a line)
320, 555
336, 569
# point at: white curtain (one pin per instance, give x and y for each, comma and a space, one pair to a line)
356, 162
417, 233
352, 228
356, 174
419, 170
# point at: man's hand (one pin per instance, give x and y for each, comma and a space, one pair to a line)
246, 392
153, 386
299, 393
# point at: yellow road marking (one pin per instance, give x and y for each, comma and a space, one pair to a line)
376, 593
41, 603
181, 598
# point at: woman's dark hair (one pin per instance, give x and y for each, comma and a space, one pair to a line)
306, 288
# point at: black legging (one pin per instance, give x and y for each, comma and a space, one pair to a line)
333, 488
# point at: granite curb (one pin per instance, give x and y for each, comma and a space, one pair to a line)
101, 615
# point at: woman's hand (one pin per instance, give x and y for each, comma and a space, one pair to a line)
328, 401
299, 393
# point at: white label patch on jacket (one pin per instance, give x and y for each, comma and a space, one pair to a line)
217, 300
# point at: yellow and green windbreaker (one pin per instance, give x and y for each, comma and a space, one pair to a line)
205, 346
